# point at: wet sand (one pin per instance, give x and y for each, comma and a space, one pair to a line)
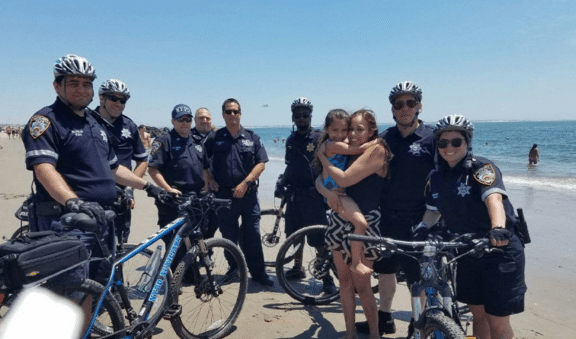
270, 313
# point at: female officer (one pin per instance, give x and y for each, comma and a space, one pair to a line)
468, 192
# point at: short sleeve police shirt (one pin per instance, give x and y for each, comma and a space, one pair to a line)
181, 161
233, 159
412, 162
300, 152
459, 194
127, 144
79, 149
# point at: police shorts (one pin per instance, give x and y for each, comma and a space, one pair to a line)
398, 226
496, 280
304, 210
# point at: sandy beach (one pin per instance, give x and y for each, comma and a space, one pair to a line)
270, 313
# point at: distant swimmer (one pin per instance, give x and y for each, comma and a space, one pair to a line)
533, 155
283, 140
275, 140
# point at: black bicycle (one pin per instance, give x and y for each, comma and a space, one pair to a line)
442, 317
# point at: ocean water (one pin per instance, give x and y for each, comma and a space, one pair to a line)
505, 143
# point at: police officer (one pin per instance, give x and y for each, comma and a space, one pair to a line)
75, 167
178, 164
238, 159
403, 203
202, 129
468, 192
202, 124
127, 145
304, 205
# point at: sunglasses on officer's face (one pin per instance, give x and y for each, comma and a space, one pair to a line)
230, 111
456, 142
184, 119
301, 115
399, 104
115, 99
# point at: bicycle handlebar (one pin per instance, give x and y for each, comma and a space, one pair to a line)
469, 240
84, 222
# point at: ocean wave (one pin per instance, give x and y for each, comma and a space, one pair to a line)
564, 183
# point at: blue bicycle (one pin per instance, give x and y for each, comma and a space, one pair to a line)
203, 300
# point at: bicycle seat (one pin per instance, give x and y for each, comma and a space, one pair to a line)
84, 222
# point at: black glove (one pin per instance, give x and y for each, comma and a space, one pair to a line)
129, 192
279, 192
92, 209
420, 231
155, 191
499, 234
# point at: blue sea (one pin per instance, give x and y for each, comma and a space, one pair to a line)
505, 143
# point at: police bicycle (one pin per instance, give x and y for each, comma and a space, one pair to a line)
442, 317
205, 306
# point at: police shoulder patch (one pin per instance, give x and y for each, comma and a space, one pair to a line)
156, 145
38, 125
486, 175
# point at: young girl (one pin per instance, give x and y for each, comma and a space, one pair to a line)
337, 149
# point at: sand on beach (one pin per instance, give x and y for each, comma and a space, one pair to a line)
270, 313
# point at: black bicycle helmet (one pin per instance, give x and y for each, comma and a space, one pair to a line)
302, 102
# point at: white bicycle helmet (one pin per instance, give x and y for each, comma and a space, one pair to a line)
72, 64
454, 122
114, 86
302, 102
406, 87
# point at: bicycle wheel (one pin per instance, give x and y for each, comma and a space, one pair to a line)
439, 326
317, 268
209, 306
132, 270
271, 241
86, 295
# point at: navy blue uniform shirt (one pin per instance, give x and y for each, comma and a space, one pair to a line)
199, 138
181, 161
458, 194
300, 151
412, 162
77, 146
127, 144
233, 159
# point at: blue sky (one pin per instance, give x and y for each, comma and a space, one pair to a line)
488, 60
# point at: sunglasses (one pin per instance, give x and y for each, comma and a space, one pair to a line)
115, 99
399, 104
184, 119
301, 115
230, 111
443, 143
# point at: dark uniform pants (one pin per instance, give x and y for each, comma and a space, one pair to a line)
248, 233
305, 209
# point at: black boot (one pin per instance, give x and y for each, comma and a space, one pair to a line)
385, 324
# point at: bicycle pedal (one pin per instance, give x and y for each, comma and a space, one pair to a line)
173, 310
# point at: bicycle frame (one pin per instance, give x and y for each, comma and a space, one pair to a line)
184, 224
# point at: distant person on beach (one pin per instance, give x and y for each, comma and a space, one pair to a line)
114, 95
469, 194
145, 137
403, 203
364, 180
533, 155
304, 205
75, 167
8, 131
238, 159
178, 164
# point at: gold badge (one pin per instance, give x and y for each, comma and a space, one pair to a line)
310, 147
486, 175
155, 147
38, 125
